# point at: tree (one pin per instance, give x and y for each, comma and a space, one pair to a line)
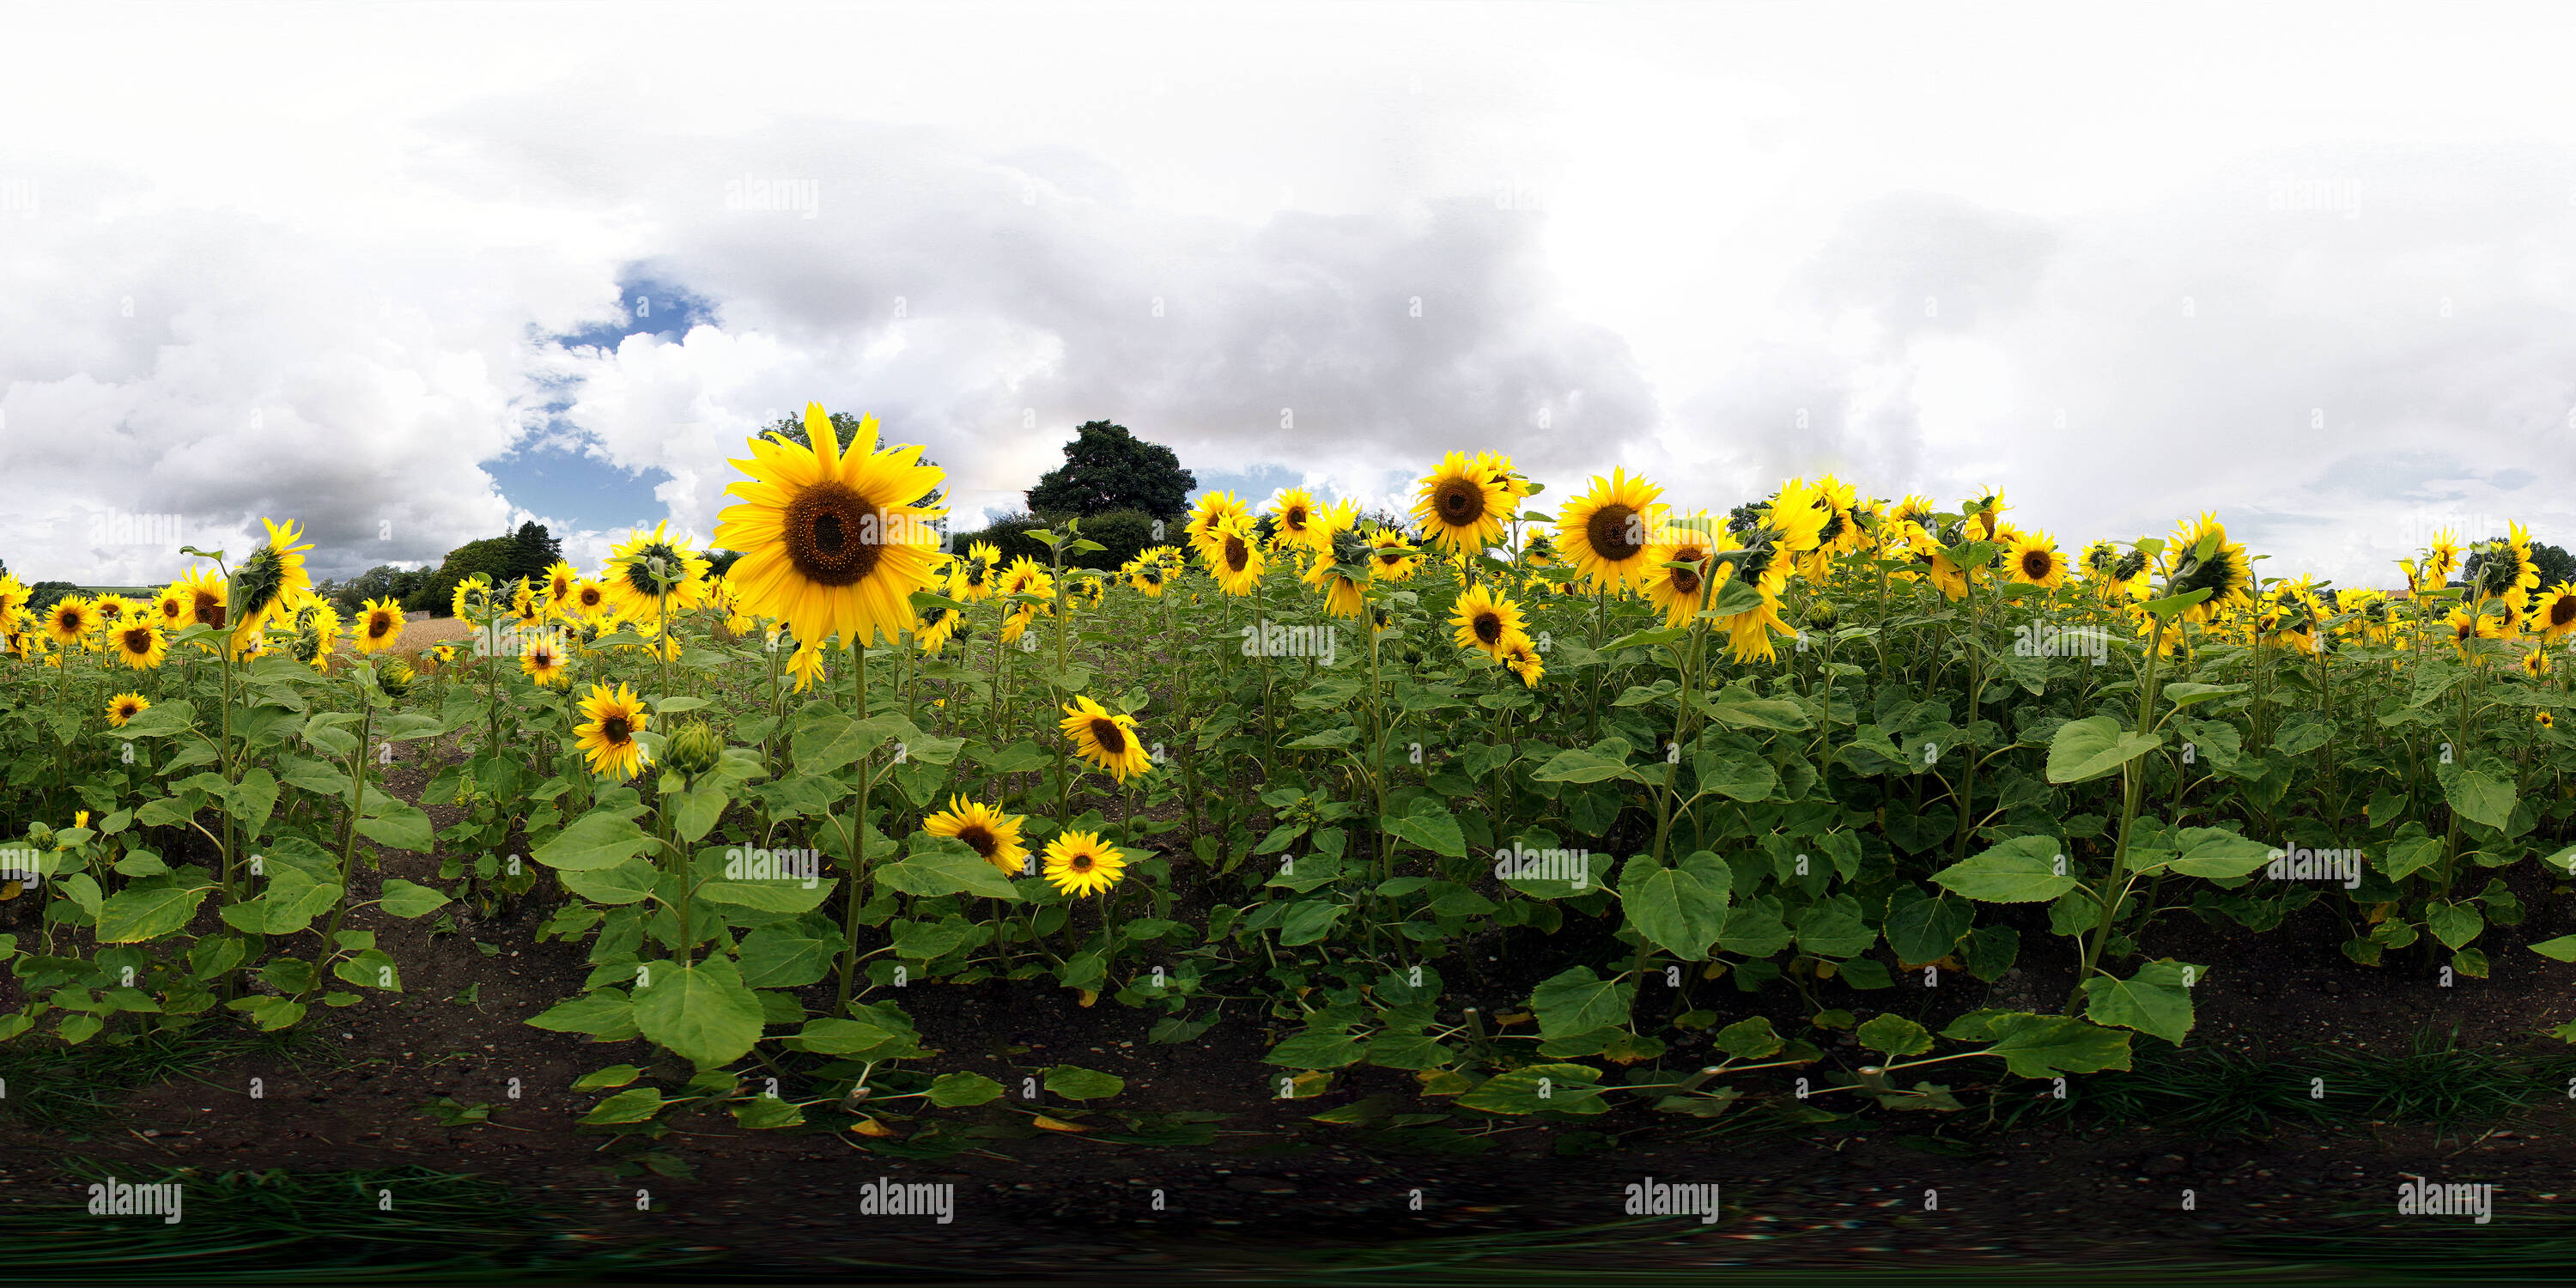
1107, 468
384, 581
489, 556
721, 560
42, 595
532, 551
2556, 565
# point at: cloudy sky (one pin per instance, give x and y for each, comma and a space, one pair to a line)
412, 274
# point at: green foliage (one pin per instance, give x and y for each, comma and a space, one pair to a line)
1107, 469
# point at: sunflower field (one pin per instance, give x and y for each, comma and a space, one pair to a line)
1675, 773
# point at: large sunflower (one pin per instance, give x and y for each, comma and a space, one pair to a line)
2553, 614
2033, 557
834, 542
1208, 518
1107, 741
70, 621
609, 737
1080, 863
379, 628
1237, 560
1487, 623
632, 585
138, 643
1607, 531
1679, 592
988, 831
124, 707
269, 583
1462, 504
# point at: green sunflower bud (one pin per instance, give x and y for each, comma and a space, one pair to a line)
695, 749
395, 678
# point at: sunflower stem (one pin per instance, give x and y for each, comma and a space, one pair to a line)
858, 838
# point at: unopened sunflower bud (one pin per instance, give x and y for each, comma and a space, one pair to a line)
1820, 615
695, 749
395, 678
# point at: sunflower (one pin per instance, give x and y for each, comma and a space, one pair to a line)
2467, 624
317, 632
835, 542
1079, 863
124, 707
138, 643
70, 621
1343, 596
2544, 719
472, 599
1796, 518
1237, 560
2226, 573
560, 579
270, 582
1392, 555
1679, 592
1524, 662
1025, 577
1297, 521
2535, 663
988, 831
112, 609
446, 655
1462, 504
1088, 592
1145, 573
971, 579
609, 737
169, 609
1486, 623
2505, 570
542, 660
1208, 519
2033, 557
13, 595
1604, 532
2553, 612
634, 589
1107, 741
2441, 559
379, 628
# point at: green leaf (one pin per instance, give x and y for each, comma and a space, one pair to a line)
2042, 1046
788, 956
2155, 1000
959, 1090
406, 900
2217, 852
599, 839
2025, 869
2454, 924
2093, 746
2185, 693
1895, 1035
1751, 1039
1073, 1082
2562, 949
1314, 1049
134, 916
1604, 760
2410, 854
398, 825
930, 873
253, 797
630, 881
1735, 773
1553, 1088
633, 1105
606, 1014
1579, 1001
2479, 796
783, 895
1430, 826
701, 1012
1925, 930
615, 1075
1682, 909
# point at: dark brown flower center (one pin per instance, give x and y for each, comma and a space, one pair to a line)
1488, 626
2034, 564
1111, 738
1613, 534
979, 837
615, 729
832, 534
378, 624
1459, 501
1237, 555
138, 639
1079, 863
1296, 516
2562, 611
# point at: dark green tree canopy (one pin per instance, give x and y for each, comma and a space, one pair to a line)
1106, 468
